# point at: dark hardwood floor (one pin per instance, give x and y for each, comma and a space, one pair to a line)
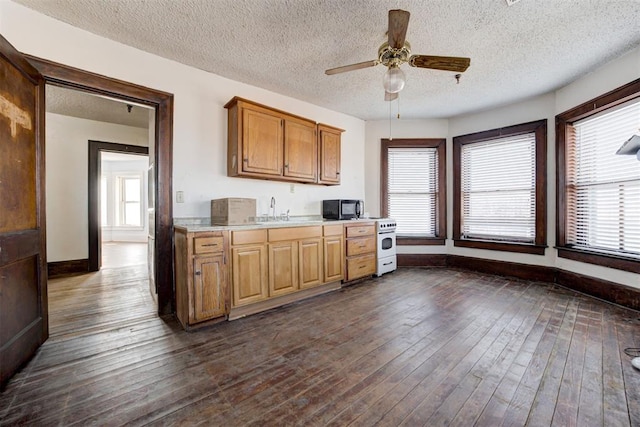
415, 347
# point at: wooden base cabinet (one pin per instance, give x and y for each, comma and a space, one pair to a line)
310, 255
333, 242
361, 250
283, 268
202, 291
249, 266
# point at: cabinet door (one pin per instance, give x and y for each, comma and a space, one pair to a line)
333, 259
300, 150
249, 272
329, 157
283, 268
262, 141
310, 254
209, 287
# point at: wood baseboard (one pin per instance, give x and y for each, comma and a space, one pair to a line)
67, 268
599, 288
503, 268
421, 260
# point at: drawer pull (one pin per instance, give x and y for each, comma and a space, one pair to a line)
362, 266
210, 244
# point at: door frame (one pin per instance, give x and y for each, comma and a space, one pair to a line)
95, 230
85, 81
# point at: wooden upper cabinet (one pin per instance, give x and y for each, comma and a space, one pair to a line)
300, 150
262, 135
271, 144
329, 146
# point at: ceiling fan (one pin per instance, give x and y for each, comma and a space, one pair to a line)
396, 51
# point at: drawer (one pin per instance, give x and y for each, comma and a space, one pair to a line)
361, 246
246, 237
294, 233
333, 230
361, 230
361, 266
204, 245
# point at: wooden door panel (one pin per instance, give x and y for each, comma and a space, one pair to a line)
310, 263
300, 150
209, 294
333, 259
330, 146
261, 143
17, 151
249, 269
283, 272
23, 297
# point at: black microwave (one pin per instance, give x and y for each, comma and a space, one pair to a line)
342, 209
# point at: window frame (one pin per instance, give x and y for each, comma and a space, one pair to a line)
440, 145
121, 202
539, 128
594, 106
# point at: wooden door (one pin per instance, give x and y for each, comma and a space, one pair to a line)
333, 259
283, 268
249, 274
310, 255
262, 141
23, 274
209, 287
300, 150
329, 147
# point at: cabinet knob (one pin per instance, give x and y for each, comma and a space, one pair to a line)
197, 273
245, 160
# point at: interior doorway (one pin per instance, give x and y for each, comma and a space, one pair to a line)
161, 158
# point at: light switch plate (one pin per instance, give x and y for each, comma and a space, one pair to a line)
179, 196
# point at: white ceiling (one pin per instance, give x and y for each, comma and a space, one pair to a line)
92, 107
519, 51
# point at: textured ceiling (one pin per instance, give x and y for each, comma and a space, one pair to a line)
85, 106
519, 51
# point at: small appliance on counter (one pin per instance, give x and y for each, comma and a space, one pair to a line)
342, 209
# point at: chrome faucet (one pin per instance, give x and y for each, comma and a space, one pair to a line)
273, 205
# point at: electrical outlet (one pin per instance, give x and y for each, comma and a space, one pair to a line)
292, 188
179, 196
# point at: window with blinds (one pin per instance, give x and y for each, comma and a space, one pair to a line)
412, 190
498, 189
602, 188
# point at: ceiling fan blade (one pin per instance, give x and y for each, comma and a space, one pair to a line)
351, 67
388, 96
398, 23
447, 63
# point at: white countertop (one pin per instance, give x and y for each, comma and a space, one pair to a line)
204, 224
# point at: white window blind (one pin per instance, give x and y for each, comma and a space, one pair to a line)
603, 189
498, 183
412, 189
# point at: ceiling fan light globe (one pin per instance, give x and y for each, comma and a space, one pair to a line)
393, 80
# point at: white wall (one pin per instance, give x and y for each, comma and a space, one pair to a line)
67, 180
200, 121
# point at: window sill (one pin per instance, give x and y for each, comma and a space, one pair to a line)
618, 262
525, 248
419, 241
